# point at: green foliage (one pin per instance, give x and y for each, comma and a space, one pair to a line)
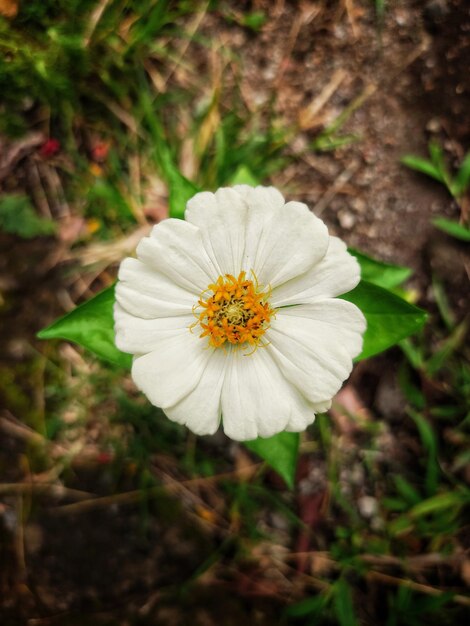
180, 189
436, 168
379, 273
236, 143
335, 604
429, 441
440, 362
454, 229
389, 318
280, 452
107, 202
433, 516
329, 138
254, 20
74, 64
18, 217
410, 609
91, 325
380, 6
433, 506
342, 601
461, 182
313, 607
244, 176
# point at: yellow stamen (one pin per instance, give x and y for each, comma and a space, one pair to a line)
234, 311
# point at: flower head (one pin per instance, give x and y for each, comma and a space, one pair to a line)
49, 148
237, 312
232, 315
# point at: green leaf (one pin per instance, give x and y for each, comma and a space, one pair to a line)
437, 158
413, 353
453, 342
244, 176
180, 191
105, 198
18, 217
453, 500
379, 273
422, 165
429, 441
254, 20
442, 504
343, 604
412, 393
389, 318
91, 325
454, 229
380, 9
280, 452
314, 606
461, 182
327, 141
442, 301
406, 490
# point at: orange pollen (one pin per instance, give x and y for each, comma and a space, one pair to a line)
234, 311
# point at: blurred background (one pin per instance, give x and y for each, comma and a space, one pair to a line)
110, 513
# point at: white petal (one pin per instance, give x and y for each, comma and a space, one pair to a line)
337, 273
248, 228
175, 248
173, 369
257, 401
264, 205
300, 421
221, 218
314, 345
284, 245
200, 410
268, 199
322, 407
147, 293
137, 335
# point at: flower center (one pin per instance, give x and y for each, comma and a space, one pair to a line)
233, 310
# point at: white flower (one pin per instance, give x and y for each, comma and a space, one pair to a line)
231, 314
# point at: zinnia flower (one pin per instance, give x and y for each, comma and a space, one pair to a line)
232, 315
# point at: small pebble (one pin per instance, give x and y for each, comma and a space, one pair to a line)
367, 506
346, 219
